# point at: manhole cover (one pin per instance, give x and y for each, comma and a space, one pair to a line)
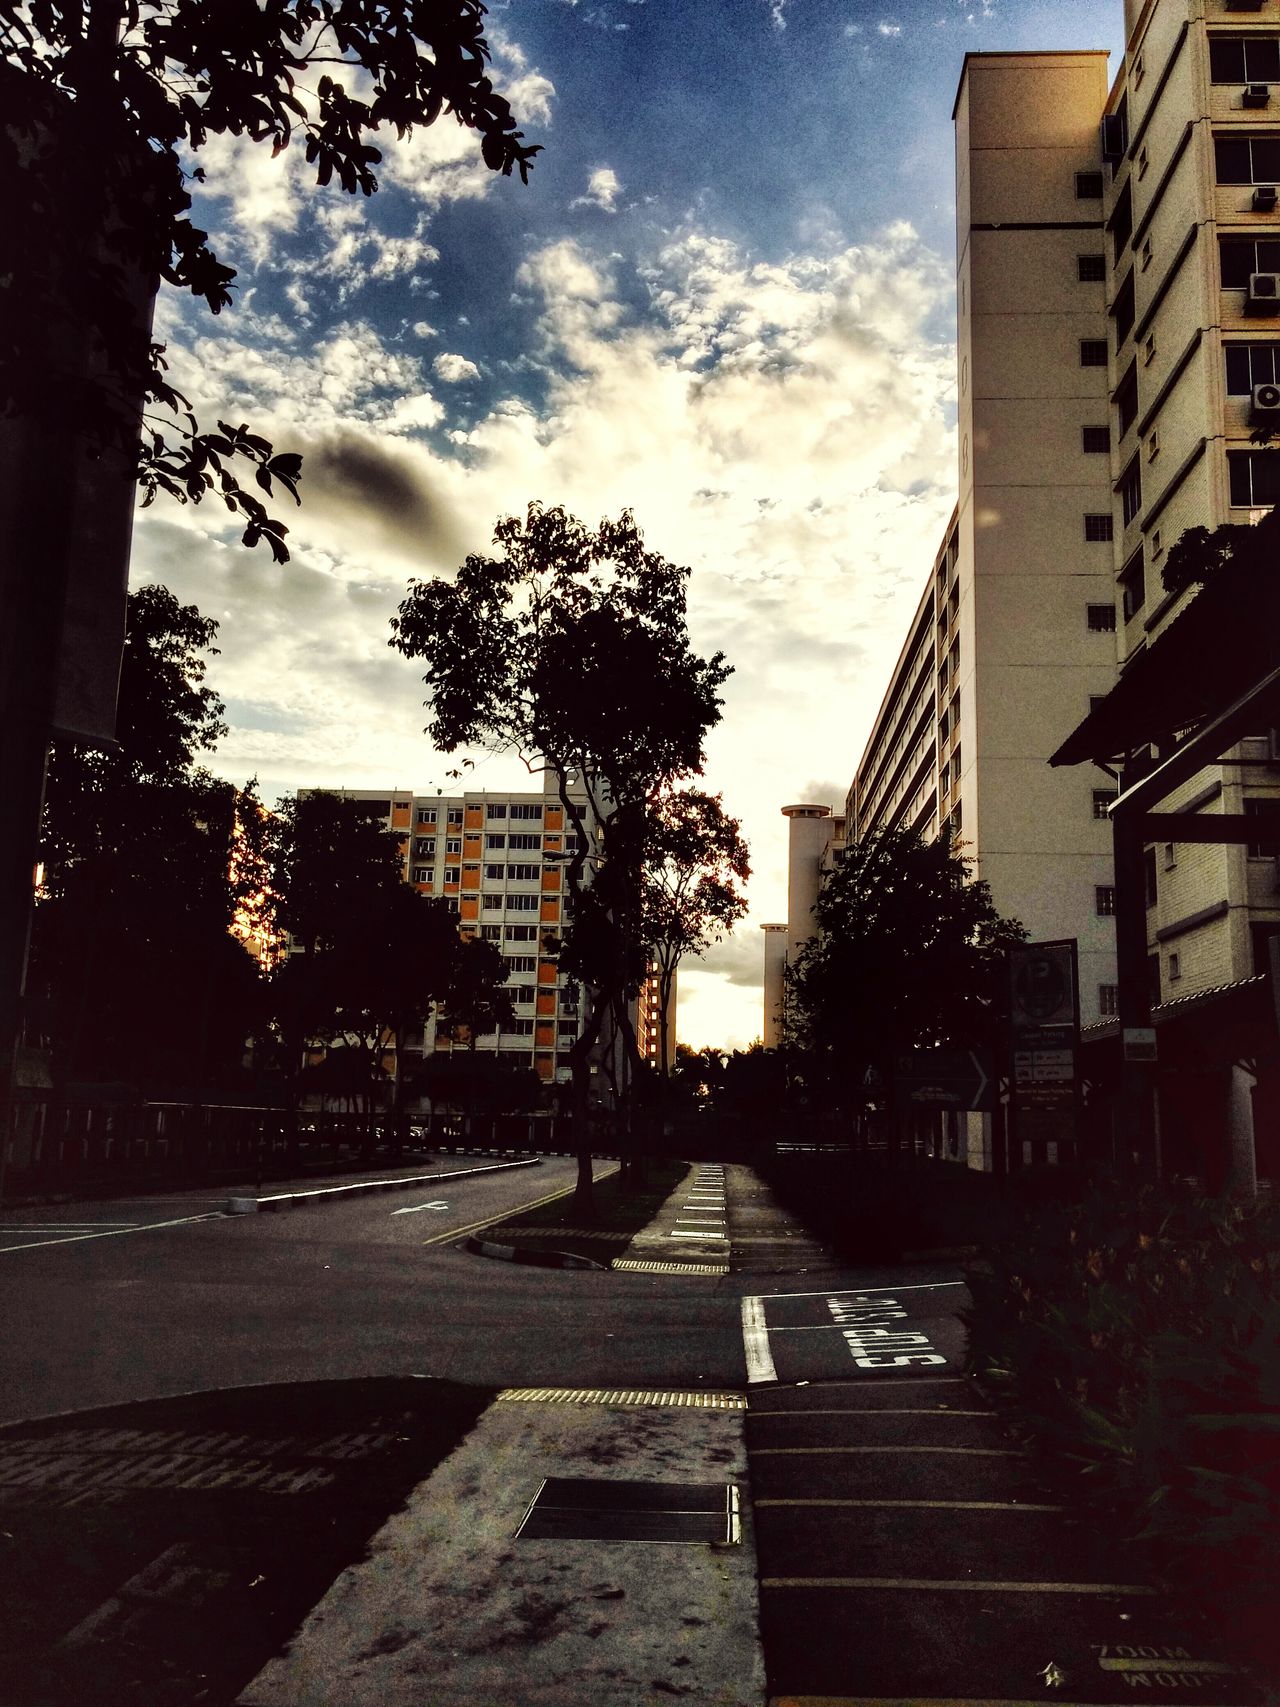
569, 1508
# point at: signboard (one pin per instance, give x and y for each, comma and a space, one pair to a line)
945, 1078
1044, 1015
1139, 1043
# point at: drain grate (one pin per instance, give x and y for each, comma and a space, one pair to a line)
571, 1508
623, 1396
634, 1265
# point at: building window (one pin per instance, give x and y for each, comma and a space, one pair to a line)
521, 963
955, 763
455, 815
1266, 812
529, 812
524, 873
1175, 968
518, 903
1152, 893
521, 993
945, 779
1123, 310
1240, 257
491, 903
1127, 400
1133, 587
1096, 441
524, 841
453, 845
1145, 254
1097, 528
1244, 59
1093, 352
1121, 224
1149, 350
495, 871
1104, 900
494, 843
495, 809
1095, 700
422, 874
491, 933
1249, 365
1260, 942
1102, 798
1170, 857
1131, 492
1254, 478
1247, 159
1108, 999
424, 847
521, 933
426, 814
451, 907
1089, 186
1091, 269
1101, 618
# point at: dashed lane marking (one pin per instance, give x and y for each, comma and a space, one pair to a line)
116, 1232
920, 1505
755, 1342
963, 1585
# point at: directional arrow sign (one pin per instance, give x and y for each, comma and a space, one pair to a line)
945, 1078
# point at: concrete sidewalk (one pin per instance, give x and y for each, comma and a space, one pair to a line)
451, 1609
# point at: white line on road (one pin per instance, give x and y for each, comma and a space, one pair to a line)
115, 1232
755, 1342
858, 1291
416, 1208
677, 1234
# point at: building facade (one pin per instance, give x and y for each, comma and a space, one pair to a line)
1191, 153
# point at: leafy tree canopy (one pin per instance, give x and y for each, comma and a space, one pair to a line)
908, 952
105, 102
1203, 555
334, 866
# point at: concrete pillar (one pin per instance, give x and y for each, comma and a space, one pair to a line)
1243, 1176
775, 960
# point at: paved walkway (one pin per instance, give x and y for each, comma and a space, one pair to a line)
907, 1549
723, 1219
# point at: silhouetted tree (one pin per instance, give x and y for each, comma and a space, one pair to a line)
907, 952
694, 859
136, 974
571, 649
475, 999
106, 103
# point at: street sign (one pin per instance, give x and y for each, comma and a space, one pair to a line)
1042, 985
1139, 1042
945, 1078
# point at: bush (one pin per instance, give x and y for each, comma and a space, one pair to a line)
1137, 1333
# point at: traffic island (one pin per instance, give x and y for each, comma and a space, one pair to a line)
556, 1228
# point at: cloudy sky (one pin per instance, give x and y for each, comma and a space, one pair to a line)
725, 300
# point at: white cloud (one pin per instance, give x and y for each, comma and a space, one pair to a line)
886, 28
603, 190
454, 369
778, 13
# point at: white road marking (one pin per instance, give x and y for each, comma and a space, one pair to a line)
967, 1585
755, 1342
677, 1234
116, 1232
913, 1505
862, 1451
59, 1226
857, 1291
416, 1208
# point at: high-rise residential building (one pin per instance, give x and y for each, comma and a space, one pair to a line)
1118, 354
497, 860
1191, 153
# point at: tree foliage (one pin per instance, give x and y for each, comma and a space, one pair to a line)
1202, 556
475, 999
105, 104
695, 858
135, 973
570, 647
908, 952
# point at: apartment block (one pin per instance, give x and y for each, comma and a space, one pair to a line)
1191, 152
497, 860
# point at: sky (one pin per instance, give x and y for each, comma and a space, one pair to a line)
725, 301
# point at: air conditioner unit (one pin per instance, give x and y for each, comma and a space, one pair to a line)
1264, 407
1264, 198
1256, 95
1263, 296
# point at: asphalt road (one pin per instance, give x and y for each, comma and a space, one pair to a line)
144, 1298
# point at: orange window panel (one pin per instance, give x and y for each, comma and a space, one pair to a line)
470, 907
472, 843
551, 881
547, 1003
474, 819
545, 1037
554, 818
547, 972
550, 912
471, 880
545, 1066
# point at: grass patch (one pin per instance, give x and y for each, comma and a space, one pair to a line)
621, 1209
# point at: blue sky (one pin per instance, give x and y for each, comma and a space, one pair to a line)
725, 300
